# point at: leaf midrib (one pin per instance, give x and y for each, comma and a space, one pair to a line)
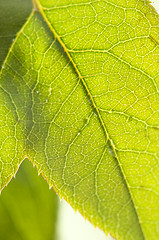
40, 8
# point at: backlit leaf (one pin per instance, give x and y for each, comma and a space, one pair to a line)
79, 97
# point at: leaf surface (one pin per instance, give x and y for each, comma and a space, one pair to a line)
79, 97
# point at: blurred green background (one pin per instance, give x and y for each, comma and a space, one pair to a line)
28, 209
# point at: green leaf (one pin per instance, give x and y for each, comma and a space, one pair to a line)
79, 97
28, 207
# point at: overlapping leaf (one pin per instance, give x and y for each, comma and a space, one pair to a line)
79, 97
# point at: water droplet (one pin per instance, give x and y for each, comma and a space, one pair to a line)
37, 91
13, 39
110, 150
129, 119
46, 100
3, 66
86, 121
95, 113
